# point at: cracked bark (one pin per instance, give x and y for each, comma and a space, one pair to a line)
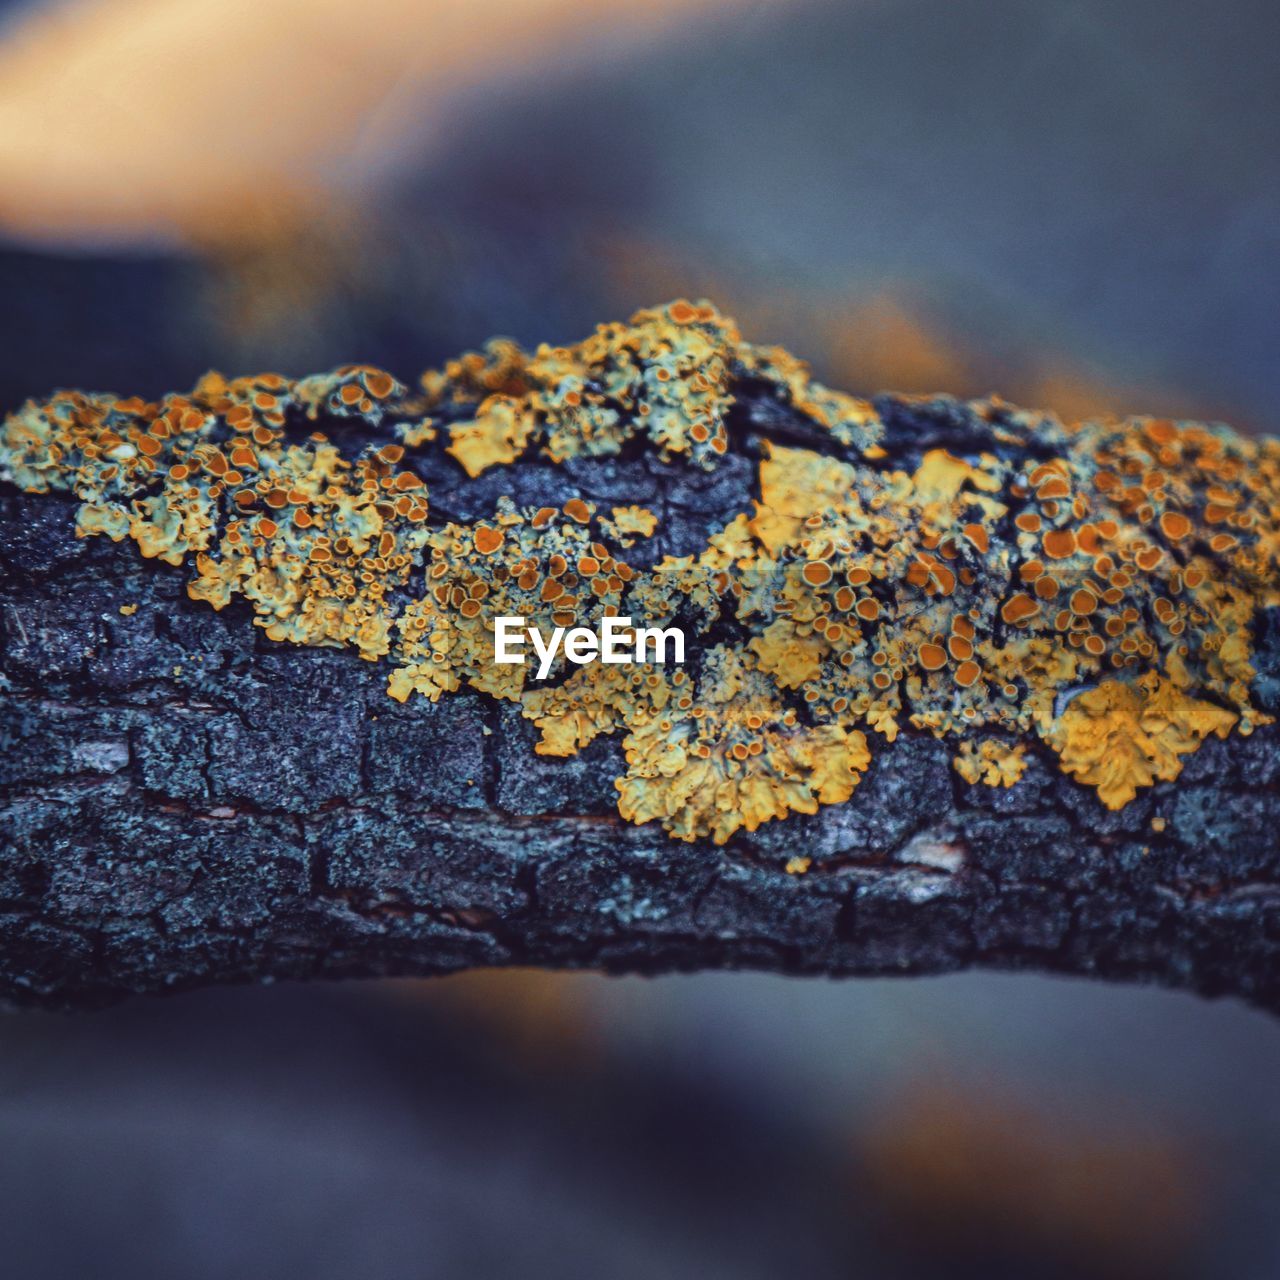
183, 802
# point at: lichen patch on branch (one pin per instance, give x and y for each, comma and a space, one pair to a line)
1089, 587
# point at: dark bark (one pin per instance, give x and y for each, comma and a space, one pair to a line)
183, 801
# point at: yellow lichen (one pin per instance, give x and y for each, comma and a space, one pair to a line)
667, 375
1093, 588
625, 524
991, 761
498, 434
1119, 737
734, 758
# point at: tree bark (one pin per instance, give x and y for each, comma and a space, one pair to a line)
183, 801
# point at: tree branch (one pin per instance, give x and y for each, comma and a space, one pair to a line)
186, 802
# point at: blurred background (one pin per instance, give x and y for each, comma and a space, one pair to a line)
1075, 203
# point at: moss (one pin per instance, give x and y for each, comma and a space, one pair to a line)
1094, 587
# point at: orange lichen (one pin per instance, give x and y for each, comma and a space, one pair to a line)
1100, 600
933, 657
1059, 543
1021, 608
487, 540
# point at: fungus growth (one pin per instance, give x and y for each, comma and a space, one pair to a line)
1091, 587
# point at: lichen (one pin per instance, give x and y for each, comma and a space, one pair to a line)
992, 761
625, 525
667, 377
1092, 588
1121, 736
